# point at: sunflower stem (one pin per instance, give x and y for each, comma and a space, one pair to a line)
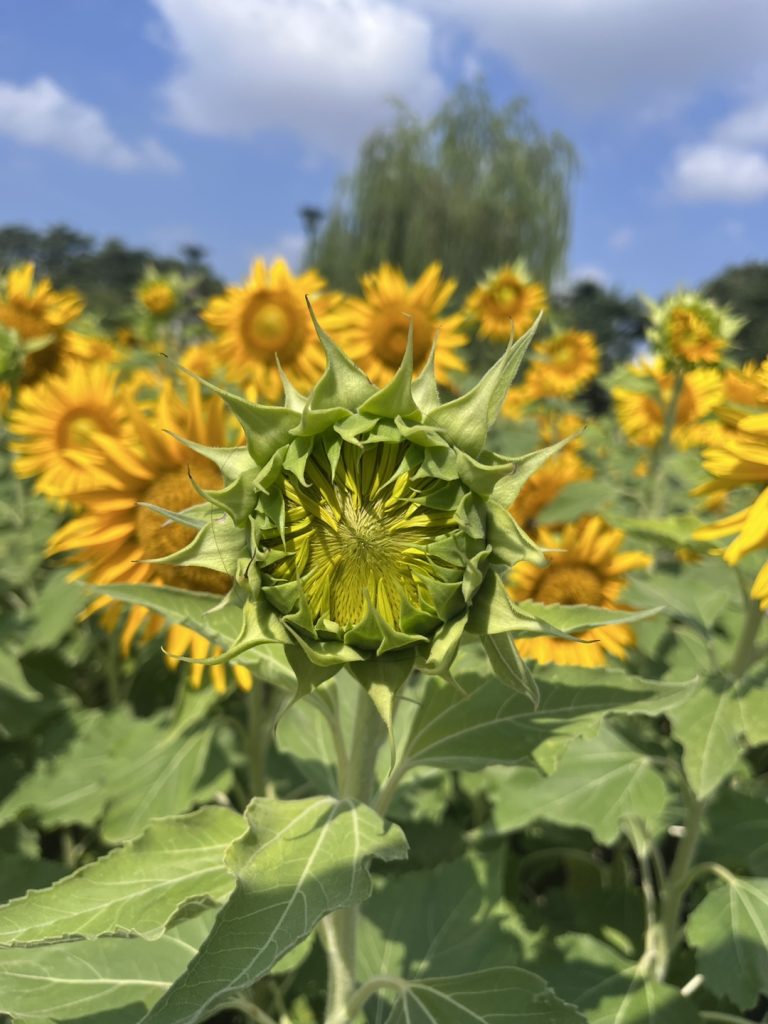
339, 930
746, 652
656, 479
667, 934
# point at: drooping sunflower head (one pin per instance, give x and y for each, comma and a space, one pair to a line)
267, 317
689, 330
585, 567
374, 329
39, 316
563, 364
506, 301
369, 526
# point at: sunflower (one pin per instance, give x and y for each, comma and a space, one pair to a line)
563, 364
740, 460
267, 319
374, 330
157, 297
506, 301
690, 330
56, 424
543, 486
589, 570
641, 412
516, 403
35, 311
554, 426
113, 536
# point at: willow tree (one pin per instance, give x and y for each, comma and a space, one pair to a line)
474, 186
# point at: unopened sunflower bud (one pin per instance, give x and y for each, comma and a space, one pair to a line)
370, 527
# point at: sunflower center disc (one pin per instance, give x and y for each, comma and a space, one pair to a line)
570, 584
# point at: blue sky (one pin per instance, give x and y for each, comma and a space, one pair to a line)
212, 121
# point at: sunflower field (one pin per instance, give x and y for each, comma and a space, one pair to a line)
358, 666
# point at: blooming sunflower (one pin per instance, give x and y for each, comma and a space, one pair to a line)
589, 570
267, 317
116, 533
741, 459
554, 426
374, 330
506, 301
641, 412
57, 421
35, 311
543, 486
563, 364
690, 330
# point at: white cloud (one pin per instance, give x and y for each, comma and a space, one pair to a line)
43, 114
746, 127
291, 247
600, 53
323, 70
718, 171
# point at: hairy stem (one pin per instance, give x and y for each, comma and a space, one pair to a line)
339, 930
667, 935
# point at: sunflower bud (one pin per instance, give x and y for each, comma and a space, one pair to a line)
369, 528
690, 330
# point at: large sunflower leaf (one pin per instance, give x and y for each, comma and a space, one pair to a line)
598, 784
499, 995
711, 725
490, 724
176, 866
117, 771
105, 980
300, 860
729, 931
610, 989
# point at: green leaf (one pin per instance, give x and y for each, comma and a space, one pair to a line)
729, 931
109, 981
203, 613
175, 869
118, 771
490, 724
301, 860
597, 785
53, 613
578, 499
500, 995
18, 874
610, 989
459, 933
710, 724
671, 532
13, 679
700, 593
736, 831
575, 618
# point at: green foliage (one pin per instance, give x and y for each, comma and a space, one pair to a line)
745, 289
105, 274
472, 187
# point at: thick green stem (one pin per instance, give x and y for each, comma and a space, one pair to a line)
746, 652
339, 929
667, 935
656, 488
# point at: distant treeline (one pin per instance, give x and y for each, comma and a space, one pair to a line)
106, 273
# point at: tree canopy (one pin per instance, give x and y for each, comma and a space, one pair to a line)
105, 273
745, 289
474, 187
